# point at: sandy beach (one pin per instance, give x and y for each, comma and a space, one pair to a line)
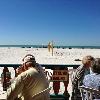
14, 55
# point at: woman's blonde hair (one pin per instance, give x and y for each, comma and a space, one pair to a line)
87, 59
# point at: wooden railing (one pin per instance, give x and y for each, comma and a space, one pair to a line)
56, 86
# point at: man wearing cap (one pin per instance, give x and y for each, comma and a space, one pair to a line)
30, 82
78, 76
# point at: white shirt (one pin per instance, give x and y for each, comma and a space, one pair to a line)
27, 84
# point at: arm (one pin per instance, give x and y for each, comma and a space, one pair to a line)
77, 75
15, 88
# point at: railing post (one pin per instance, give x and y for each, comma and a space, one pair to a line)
15, 71
66, 82
56, 84
6, 76
60, 75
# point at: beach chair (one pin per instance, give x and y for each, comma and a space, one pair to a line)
38, 95
89, 93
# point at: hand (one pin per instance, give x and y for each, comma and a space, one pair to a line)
19, 70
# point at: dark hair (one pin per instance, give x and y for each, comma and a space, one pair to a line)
96, 66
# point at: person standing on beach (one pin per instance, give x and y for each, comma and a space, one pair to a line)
30, 82
78, 76
49, 46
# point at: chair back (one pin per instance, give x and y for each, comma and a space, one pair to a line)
88, 93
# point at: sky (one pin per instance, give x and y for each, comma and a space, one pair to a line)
36, 22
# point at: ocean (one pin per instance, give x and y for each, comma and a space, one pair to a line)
45, 46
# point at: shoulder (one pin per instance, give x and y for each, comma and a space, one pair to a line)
79, 69
89, 77
27, 72
91, 80
30, 71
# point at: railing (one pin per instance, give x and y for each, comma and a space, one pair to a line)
56, 80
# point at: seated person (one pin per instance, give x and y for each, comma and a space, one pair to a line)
29, 82
78, 75
93, 80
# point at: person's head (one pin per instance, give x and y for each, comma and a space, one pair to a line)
96, 66
88, 61
29, 61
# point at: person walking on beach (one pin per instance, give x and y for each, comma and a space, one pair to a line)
78, 75
30, 82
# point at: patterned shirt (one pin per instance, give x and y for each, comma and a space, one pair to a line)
78, 75
77, 80
92, 81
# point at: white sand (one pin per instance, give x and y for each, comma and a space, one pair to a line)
14, 55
